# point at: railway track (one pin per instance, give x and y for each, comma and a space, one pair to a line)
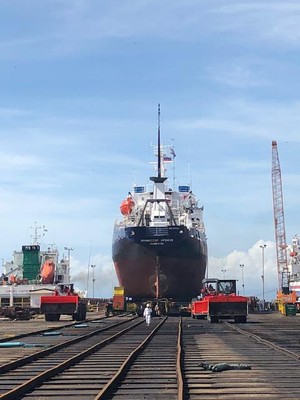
277, 329
153, 370
37, 343
15, 330
274, 373
171, 359
81, 369
12, 330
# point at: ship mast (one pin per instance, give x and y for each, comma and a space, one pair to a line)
36, 236
158, 143
158, 179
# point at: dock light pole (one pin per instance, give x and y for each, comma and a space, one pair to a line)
263, 274
243, 282
93, 280
69, 249
224, 272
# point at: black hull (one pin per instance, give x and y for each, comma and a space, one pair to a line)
178, 258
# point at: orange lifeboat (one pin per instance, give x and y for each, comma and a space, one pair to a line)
126, 206
47, 271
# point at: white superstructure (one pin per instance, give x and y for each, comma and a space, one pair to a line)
294, 264
31, 270
159, 205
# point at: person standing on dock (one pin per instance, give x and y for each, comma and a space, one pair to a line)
147, 314
157, 310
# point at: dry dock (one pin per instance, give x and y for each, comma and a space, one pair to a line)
173, 358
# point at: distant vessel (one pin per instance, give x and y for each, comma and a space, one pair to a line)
294, 264
32, 270
159, 247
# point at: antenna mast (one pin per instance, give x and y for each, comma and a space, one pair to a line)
36, 236
158, 178
158, 142
173, 154
282, 269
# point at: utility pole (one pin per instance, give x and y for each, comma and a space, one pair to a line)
263, 274
224, 272
88, 271
93, 280
69, 249
243, 282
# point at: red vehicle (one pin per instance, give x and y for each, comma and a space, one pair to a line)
218, 300
63, 301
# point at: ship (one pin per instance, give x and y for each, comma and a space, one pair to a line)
32, 272
294, 265
159, 245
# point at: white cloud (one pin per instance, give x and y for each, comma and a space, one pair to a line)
104, 275
252, 261
274, 22
14, 112
240, 74
240, 117
77, 26
18, 161
175, 20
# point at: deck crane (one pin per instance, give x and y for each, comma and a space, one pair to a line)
281, 247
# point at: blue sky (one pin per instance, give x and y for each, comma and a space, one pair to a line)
80, 83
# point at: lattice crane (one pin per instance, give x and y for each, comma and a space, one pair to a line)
278, 209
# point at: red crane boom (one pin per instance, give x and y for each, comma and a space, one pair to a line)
280, 237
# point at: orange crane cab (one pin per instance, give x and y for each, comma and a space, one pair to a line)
218, 300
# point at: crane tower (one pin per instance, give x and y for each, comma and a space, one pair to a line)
278, 210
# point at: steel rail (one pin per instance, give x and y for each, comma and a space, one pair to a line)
38, 332
35, 356
179, 363
31, 384
126, 364
55, 328
264, 341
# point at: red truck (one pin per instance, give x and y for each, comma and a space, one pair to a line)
218, 300
63, 301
